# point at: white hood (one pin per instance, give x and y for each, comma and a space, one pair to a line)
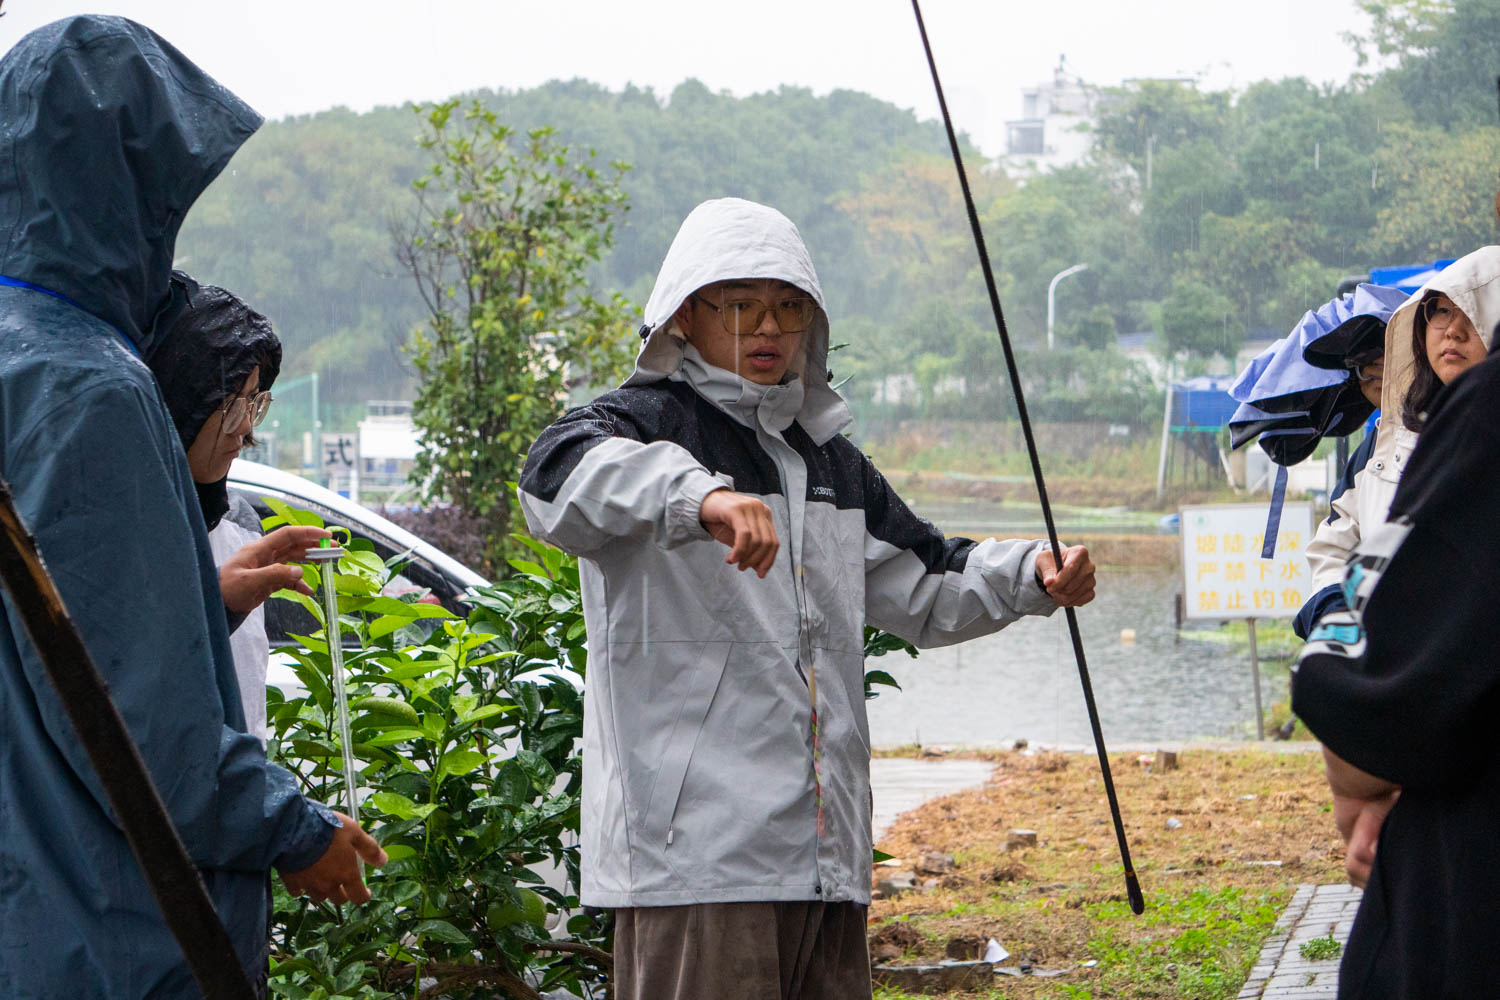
1473, 283
731, 238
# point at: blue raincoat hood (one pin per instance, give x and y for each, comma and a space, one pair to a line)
75, 144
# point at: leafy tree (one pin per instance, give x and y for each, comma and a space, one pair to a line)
1096, 328
1159, 115
1446, 53
1441, 190
1311, 154
505, 235
1069, 216
1199, 319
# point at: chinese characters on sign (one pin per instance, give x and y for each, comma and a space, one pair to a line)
1223, 574
339, 452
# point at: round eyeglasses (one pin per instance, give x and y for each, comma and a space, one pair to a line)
237, 408
743, 316
1439, 314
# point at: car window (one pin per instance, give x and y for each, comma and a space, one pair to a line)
418, 580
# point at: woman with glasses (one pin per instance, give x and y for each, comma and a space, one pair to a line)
1441, 332
1401, 690
1365, 363
1436, 335
215, 365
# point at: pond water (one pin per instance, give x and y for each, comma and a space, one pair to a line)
977, 518
1022, 682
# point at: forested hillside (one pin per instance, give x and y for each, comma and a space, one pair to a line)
1255, 204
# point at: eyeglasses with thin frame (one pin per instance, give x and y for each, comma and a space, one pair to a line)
235, 409
793, 315
1439, 314
1357, 363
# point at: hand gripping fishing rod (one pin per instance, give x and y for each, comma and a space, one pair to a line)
1132, 885
170, 872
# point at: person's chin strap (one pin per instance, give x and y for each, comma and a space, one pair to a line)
1132, 885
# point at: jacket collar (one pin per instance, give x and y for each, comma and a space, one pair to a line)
767, 407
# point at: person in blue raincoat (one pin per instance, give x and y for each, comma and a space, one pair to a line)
107, 136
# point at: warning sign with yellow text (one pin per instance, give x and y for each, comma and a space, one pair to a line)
1223, 573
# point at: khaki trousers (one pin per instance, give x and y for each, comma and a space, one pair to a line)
742, 951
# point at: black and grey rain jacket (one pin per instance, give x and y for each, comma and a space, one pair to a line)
699, 771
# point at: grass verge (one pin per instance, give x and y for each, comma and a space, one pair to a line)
1219, 844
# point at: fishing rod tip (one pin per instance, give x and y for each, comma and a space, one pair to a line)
1133, 890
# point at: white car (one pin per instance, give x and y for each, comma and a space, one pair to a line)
427, 567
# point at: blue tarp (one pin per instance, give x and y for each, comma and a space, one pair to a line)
1408, 277
1200, 404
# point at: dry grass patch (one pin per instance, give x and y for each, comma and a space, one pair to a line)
1249, 826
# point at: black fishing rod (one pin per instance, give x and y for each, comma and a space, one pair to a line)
1132, 884
170, 872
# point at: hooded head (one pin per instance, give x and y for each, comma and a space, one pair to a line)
207, 355
1473, 284
108, 135
730, 239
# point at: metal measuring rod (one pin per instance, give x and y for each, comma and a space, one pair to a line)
327, 555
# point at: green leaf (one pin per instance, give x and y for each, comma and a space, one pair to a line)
540, 548
288, 514
486, 711
536, 769
441, 930
489, 802
312, 607
879, 856
512, 787
316, 749
526, 566
386, 624
393, 736
461, 762
401, 806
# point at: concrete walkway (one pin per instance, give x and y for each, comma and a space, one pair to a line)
1281, 973
901, 784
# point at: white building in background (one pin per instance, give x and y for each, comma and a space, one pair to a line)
1053, 130
388, 443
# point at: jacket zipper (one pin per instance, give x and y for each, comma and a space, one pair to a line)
808, 671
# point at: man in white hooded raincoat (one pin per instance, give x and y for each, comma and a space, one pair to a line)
727, 809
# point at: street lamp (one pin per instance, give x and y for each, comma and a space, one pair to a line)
1052, 297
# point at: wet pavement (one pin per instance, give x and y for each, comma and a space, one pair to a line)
900, 784
1281, 972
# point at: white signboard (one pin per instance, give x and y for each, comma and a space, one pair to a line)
340, 452
1223, 574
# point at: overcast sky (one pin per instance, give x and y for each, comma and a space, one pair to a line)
297, 56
